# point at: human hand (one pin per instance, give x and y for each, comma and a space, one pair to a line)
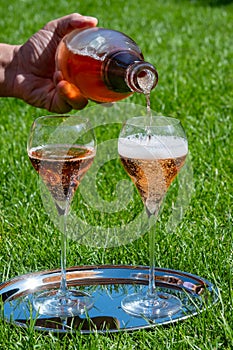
36, 81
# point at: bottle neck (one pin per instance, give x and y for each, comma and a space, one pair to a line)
141, 77
126, 71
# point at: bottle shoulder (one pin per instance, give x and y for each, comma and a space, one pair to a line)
99, 42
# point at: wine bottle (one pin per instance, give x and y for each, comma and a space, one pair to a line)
105, 65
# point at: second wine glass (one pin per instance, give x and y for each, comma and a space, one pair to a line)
61, 150
152, 150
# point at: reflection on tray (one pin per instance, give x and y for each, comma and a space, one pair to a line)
174, 281
75, 275
78, 323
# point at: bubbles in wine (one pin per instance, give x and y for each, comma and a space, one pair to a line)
61, 167
152, 163
155, 147
89, 51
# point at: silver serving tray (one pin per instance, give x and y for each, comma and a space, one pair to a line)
108, 284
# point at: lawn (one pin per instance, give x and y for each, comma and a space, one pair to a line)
191, 45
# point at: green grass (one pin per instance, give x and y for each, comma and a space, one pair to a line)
190, 42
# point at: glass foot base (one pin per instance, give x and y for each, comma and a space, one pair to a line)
162, 305
57, 304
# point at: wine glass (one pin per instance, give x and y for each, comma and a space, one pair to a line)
61, 150
152, 150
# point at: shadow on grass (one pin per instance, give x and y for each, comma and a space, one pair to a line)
212, 2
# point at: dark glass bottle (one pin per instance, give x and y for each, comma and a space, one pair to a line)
106, 65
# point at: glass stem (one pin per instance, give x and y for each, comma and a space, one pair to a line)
151, 287
63, 222
63, 285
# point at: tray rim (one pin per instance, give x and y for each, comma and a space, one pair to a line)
104, 267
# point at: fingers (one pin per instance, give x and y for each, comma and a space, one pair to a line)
71, 94
67, 95
66, 24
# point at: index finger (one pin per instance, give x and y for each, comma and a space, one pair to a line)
66, 24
